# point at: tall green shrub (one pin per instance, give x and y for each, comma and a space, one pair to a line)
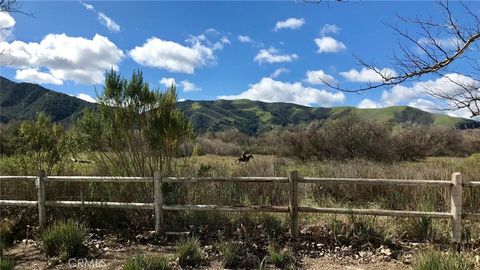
136, 130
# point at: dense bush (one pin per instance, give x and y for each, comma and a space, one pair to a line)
64, 239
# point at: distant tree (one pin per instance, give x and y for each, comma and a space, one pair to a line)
41, 145
136, 130
429, 47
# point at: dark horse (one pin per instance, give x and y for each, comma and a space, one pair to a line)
244, 158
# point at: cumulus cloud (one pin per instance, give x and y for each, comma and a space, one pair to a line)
78, 59
423, 104
172, 56
367, 75
319, 77
290, 23
278, 72
272, 55
329, 45
270, 90
189, 86
245, 39
175, 57
7, 23
398, 94
369, 104
86, 97
329, 29
450, 84
108, 22
35, 76
168, 82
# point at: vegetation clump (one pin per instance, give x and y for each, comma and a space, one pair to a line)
189, 252
436, 260
6, 264
64, 239
283, 259
143, 262
231, 254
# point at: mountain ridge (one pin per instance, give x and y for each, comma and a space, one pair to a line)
21, 101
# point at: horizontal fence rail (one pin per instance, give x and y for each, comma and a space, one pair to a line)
456, 186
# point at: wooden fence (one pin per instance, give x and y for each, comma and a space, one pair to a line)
456, 186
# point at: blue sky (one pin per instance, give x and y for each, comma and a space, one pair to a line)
270, 51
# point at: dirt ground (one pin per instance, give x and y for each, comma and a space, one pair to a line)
27, 255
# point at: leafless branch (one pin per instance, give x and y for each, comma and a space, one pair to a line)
433, 49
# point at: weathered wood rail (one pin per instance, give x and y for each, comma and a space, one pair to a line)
456, 186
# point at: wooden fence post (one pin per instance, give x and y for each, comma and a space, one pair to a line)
158, 203
293, 204
40, 183
456, 207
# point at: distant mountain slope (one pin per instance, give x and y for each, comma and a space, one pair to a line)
21, 101
253, 117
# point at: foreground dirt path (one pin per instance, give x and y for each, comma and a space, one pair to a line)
27, 255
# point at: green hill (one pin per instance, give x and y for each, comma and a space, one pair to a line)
254, 117
21, 101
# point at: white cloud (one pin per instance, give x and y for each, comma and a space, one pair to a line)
87, 6
172, 56
319, 77
77, 59
168, 82
367, 75
7, 23
329, 45
35, 76
225, 40
244, 39
270, 90
103, 18
450, 43
86, 97
398, 94
423, 104
329, 29
290, 23
108, 22
451, 83
272, 56
278, 72
369, 104
189, 86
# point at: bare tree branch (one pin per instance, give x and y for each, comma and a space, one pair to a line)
433, 50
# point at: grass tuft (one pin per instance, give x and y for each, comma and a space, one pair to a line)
436, 260
231, 254
6, 236
188, 252
142, 262
6, 264
280, 258
64, 239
